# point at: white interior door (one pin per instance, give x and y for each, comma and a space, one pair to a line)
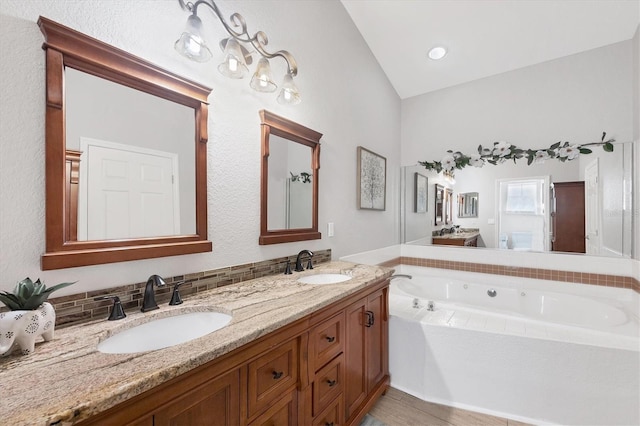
127, 192
592, 208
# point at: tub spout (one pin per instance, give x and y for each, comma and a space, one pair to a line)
401, 276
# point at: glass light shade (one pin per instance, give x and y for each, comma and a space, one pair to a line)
191, 44
289, 94
233, 65
261, 80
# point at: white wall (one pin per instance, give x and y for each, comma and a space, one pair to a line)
635, 77
346, 96
573, 99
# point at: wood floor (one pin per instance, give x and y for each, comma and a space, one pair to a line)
397, 408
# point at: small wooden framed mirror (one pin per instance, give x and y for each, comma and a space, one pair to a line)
289, 181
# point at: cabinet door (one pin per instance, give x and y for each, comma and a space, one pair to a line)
355, 389
376, 332
213, 403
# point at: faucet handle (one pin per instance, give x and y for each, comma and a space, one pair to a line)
117, 311
309, 264
287, 268
175, 296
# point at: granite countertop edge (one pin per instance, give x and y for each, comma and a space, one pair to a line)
68, 380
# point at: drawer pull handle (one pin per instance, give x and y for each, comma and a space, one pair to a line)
332, 383
328, 424
277, 375
331, 339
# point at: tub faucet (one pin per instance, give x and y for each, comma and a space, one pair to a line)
149, 301
299, 266
400, 276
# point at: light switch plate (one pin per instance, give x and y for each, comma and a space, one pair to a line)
330, 229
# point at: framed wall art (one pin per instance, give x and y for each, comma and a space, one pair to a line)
372, 180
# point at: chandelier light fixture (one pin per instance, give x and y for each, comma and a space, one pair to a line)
237, 52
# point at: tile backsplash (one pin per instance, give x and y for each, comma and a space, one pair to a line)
517, 271
80, 307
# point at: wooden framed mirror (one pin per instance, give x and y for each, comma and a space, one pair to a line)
289, 181
168, 216
468, 204
439, 205
448, 206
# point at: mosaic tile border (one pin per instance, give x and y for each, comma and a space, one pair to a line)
516, 271
81, 307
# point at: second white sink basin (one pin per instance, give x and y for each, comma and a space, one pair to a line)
319, 279
164, 332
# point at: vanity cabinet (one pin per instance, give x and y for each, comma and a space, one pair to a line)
455, 240
366, 349
213, 402
327, 368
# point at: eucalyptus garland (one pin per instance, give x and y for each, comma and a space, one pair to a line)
504, 151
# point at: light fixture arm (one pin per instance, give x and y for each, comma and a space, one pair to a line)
258, 41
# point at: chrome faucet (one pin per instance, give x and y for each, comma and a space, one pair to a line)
149, 301
299, 266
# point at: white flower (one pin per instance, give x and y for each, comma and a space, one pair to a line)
570, 152
541, 156
476, 161
448, 162
501, 148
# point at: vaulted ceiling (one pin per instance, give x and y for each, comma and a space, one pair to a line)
483, 37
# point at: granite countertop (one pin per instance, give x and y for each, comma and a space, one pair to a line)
459, 235
67, 380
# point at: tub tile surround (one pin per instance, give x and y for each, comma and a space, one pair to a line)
609, 272
515, 271
81, 307
67, 379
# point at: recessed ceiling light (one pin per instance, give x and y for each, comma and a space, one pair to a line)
437, 52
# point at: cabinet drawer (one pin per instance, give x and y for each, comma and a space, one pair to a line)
326, 340
282, 412
328, 384
271, 375
332, 415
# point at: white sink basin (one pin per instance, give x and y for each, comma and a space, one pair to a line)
319, 279
164, 332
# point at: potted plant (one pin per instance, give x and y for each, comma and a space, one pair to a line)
30, 316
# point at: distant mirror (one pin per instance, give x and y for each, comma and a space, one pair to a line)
468, 204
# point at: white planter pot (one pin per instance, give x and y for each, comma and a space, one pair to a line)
20, 329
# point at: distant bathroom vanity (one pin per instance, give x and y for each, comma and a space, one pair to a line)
466, 239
